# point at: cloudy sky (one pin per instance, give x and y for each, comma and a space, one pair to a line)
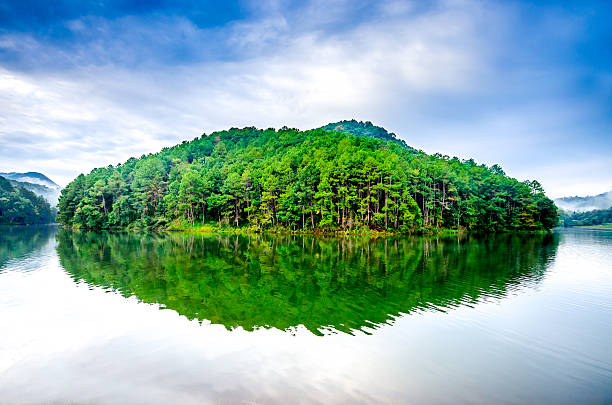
525, 84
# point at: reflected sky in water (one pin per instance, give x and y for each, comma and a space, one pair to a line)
496, 320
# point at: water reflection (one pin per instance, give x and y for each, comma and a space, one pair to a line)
327, 285
17, 242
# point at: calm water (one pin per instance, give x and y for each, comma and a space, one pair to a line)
117, 318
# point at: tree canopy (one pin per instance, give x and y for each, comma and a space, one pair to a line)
318, 180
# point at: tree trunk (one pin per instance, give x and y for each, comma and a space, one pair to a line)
369, 196
387, 209
104, 205
311, 214
396, 213
443, 201
236, 210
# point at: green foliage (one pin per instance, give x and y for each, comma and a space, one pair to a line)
283, 281
356, 179
21, 206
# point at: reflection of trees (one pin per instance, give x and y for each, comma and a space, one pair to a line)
285, 281
17, 241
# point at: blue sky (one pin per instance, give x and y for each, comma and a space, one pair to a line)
525, 84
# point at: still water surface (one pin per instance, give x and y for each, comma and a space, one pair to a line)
118, 318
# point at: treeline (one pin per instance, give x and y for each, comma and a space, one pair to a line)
20, 206
588, 218
313, 180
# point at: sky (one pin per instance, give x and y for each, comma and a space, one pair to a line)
523, 84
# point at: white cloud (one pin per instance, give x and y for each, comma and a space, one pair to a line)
414, 73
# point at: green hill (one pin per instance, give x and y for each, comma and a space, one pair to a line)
316, 180
365, 129
21, 206
37, 183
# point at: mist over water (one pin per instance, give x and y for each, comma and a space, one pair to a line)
222, 318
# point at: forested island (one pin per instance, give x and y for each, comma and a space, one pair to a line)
348, 176
19, 206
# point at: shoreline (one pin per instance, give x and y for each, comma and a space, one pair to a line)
318, 233
602, 226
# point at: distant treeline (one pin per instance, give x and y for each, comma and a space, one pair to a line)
588, 218
317, 180
21, 206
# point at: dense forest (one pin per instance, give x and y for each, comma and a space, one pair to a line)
587, 218
21, 206
318, 180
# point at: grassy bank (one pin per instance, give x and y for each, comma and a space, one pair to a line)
215, 227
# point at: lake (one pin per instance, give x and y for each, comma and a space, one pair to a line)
145, 318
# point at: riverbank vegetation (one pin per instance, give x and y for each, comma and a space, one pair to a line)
587, 218
319, 180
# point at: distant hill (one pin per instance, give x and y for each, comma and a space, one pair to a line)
21, 206
37, 183
588, 203
31, 177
